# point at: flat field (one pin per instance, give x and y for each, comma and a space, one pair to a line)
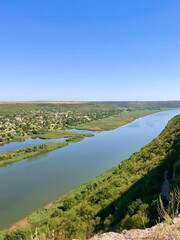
112, 122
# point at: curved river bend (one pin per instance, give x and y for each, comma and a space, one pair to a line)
30, 184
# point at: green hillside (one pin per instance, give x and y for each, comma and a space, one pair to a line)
123, 197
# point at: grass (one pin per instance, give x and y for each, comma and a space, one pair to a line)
33, 151
167, 232
98, 125
55, 134
113, 122
115, 200
28, 152
48, 135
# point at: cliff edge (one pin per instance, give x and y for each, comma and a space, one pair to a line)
161, 231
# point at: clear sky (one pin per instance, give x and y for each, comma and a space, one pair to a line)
89, 50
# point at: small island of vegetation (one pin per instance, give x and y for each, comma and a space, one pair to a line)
19, 121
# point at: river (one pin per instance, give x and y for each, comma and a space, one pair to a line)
30, 184
29, 142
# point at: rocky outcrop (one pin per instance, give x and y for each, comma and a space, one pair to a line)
162, 231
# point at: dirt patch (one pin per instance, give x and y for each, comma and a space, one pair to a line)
20, 224
50, 205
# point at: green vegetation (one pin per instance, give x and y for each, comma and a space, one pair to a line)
21, 120
78, 137
123, 197
142, 105
49, 121
112, 122
30, 152
57, 134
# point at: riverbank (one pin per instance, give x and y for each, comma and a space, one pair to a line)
101, 124
112, 122
30, 185
53, 134
122, 197
40, 149
98, 125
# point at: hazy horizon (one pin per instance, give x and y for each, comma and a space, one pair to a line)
83, 101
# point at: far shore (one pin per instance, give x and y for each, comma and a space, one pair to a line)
103, 124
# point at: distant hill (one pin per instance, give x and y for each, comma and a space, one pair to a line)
148, 104
125, 197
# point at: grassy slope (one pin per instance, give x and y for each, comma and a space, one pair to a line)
124, 196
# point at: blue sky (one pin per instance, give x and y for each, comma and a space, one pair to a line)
89, 50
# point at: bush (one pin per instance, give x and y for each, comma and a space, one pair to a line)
19, 234
40, 217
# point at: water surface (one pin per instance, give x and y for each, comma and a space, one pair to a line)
28, 143
30, 184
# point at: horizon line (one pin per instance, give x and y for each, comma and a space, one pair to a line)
80, 101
